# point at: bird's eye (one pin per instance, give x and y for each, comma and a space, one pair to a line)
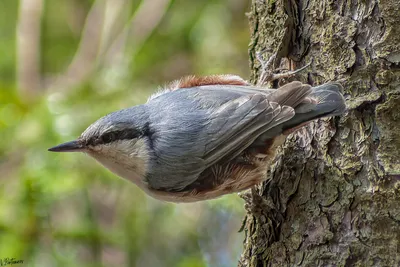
108, 137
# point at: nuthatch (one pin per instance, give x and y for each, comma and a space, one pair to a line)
203, 137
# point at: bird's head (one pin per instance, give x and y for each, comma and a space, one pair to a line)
116, 141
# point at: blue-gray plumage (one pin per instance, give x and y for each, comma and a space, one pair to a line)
202, 138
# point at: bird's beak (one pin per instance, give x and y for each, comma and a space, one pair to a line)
72, 146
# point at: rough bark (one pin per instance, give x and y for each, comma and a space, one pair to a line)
335, 186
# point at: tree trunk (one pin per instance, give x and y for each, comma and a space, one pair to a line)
335, 186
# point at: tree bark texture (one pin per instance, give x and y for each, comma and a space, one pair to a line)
333, 195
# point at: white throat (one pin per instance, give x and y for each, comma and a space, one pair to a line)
126, 158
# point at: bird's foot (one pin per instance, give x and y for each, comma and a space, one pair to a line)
269, 74
255, 202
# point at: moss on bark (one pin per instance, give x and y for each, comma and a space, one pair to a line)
335, 186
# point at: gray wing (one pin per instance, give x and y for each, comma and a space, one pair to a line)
291, 94
197, 127
230, 135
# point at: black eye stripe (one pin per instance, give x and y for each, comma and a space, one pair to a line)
109, 137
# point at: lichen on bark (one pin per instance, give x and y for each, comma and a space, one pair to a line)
335, 186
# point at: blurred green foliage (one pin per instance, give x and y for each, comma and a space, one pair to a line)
85, 59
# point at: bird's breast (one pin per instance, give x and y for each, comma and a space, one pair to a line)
239, 174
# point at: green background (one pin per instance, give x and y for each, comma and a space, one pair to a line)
64, 64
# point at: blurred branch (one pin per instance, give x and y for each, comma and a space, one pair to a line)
114, 20
138, 29
9, 163
85, 58
28, 48
95, 246
96, 36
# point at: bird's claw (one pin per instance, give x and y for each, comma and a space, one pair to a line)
268, 74
255, 202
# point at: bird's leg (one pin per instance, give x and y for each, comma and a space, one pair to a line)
266, 67
294, 129
255, 202
268, 74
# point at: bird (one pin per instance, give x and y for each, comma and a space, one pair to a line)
202, 137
